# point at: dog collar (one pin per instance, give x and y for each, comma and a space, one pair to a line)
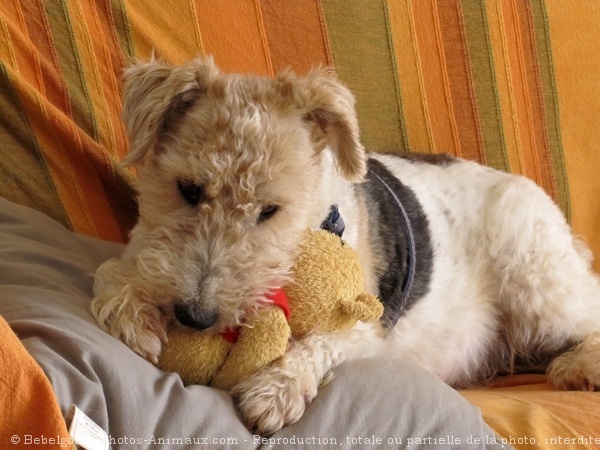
411, 253
334, 222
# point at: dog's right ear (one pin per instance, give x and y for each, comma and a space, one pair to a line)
156, 97
329, 105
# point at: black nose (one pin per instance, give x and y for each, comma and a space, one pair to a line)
192, 317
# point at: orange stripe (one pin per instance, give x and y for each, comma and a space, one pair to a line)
100, 58
324, 33
527, 107
232, 32
292, 42
506, 97
410, 77
543, 158
38, 30
26, 60
524, 110
89, 201
197, 33
57, 153
20, 154
168, 29
438, 109
97, 58
437, 29
61, 144
576, 74
263, 36
27, 87
458, 80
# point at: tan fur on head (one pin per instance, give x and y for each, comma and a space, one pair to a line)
156, 96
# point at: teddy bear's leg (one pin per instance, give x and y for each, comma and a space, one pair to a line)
259, 344
277, 396
196, 356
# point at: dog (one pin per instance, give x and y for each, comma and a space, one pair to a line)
477, 269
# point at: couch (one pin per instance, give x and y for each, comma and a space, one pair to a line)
512, 84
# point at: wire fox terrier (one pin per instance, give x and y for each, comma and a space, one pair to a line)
477, 269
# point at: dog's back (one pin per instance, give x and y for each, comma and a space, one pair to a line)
501, 280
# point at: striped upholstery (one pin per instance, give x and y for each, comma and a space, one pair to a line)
510, 83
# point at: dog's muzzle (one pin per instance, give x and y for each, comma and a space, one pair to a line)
190, 316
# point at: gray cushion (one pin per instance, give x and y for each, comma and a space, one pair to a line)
45, 288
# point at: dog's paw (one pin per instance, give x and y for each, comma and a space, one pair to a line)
575, 379
147, 338
273, 398
578, 369
125, 308
143, 329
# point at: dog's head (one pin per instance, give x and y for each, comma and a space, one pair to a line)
231, 169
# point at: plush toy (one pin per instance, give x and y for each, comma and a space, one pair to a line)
327, 295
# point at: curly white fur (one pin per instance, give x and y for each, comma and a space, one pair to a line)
509, 280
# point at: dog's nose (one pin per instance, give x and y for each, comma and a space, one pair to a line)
191, 317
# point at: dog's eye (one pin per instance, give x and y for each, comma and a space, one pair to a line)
267, 212
191, 192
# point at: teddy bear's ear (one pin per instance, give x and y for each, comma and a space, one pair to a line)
365, 307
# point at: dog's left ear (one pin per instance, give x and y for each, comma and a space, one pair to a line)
330, 105
156, 97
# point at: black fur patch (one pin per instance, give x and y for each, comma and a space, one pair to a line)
439, 159
389, 240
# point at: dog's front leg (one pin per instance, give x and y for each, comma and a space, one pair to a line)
278, 395
125, 308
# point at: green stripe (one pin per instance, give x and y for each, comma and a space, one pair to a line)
550, 100
362, 57
24, 175
71, 68
123, 30
484, 84
404, 133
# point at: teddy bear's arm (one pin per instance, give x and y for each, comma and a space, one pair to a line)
259, 344
365, 307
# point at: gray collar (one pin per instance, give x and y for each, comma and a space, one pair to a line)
411, 254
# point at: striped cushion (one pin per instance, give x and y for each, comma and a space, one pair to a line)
509, 83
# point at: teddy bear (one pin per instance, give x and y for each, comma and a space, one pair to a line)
326, 295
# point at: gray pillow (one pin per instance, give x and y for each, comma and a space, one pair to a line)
45, 289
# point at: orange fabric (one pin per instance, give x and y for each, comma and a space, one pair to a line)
148, 25
410, 74
296, 35
250, 53
531, 412
574, 39
457, 78
29, 407
521, 108
61, 137
497, 32
443, 128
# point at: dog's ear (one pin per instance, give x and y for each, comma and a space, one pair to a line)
156, 97
330, 105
